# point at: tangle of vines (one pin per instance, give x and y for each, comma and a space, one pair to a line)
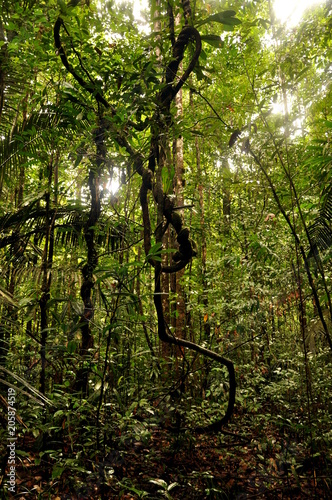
151, 181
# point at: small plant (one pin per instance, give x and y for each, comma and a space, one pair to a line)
126, 487
165, 487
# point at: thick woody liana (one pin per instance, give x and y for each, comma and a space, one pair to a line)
166, 207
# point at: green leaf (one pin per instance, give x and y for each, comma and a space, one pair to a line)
302, 73
167, 177
159, 482
63, 6
172, 485
72, 346
7, 297
227, 18
58, 413
198, 70
213, 40
155, 250
22, 453
57, 471
265, 23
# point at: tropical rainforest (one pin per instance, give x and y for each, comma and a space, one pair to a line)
165, 250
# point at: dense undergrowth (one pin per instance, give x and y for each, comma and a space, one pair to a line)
148, 447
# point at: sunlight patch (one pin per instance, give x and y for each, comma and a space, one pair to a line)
291, 11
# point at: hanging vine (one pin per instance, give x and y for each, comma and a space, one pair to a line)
152, 182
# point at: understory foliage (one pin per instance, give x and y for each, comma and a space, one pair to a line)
165, 244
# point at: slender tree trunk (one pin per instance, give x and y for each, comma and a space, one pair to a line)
3, 57
202, 234
47, 260
179, 313
92, 256
226, 198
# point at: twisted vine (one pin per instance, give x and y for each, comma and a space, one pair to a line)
152, 182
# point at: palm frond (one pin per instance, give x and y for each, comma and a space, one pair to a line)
7, 298
31, 220
320, 230
20, 143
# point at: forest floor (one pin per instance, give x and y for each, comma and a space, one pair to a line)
263, 465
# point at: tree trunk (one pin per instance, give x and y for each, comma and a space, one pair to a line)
47, 260
179, 313
92, 256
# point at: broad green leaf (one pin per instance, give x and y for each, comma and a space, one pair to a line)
213, 40
226, 18
57, 471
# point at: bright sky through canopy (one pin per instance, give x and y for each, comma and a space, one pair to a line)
291, 11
